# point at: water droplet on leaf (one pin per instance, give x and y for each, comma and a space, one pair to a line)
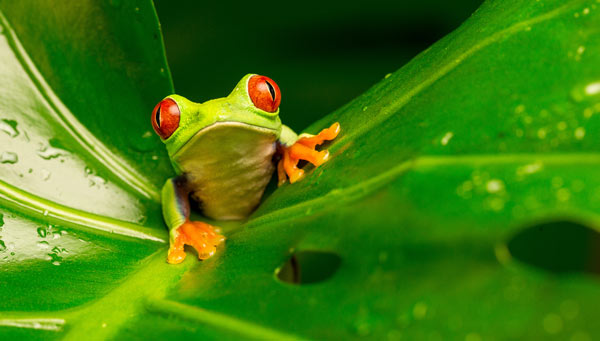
9, 157
148, 141
444, 141
48, 153
41, 231
9, 127
45, 174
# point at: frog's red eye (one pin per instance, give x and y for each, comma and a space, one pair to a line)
165, 118
264, 93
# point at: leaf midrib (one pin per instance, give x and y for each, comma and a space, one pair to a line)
338, 197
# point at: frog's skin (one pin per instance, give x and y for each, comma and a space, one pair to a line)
222, 151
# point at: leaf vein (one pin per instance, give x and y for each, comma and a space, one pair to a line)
72, 126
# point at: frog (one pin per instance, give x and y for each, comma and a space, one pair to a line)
224, 153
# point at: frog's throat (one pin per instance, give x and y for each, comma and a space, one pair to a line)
199, 133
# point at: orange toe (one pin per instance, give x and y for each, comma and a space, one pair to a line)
326, 134
304, 149
200, 236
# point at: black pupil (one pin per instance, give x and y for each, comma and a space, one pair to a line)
271, 90
158, 117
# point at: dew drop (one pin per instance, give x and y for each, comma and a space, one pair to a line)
563, 194
444, 141
529, 168
519, 109
9, 127
387, 75
582, 93
45, 174
541, 133
494, 186
41, 231
96, 180
579, 133
54, 258
43, 244
48, 153
9, 157
592, 89
1, 219
2, 245
146, 142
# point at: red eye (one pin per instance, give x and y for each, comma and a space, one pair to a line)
165, 118
264, 93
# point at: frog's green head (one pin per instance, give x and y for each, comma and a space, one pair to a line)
254, 101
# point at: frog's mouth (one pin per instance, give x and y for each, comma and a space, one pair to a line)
226, 134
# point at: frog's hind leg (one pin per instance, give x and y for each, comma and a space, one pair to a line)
176, 212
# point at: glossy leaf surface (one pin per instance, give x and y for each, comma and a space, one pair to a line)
460, 201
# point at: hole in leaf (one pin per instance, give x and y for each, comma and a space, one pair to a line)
560, 247
305, 267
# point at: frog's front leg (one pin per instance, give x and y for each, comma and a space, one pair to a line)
176, 212
294, 149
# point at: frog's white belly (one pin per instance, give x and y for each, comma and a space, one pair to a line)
228, 165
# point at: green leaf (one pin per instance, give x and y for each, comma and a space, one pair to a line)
461, 200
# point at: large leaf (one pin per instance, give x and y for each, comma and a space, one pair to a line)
461, 199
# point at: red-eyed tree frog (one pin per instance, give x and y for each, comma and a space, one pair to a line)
222, 151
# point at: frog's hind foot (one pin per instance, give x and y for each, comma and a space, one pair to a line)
201, 236
304, 149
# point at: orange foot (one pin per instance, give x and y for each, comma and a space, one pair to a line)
199, 235
304, 149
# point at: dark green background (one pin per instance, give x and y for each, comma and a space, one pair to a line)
321, 53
